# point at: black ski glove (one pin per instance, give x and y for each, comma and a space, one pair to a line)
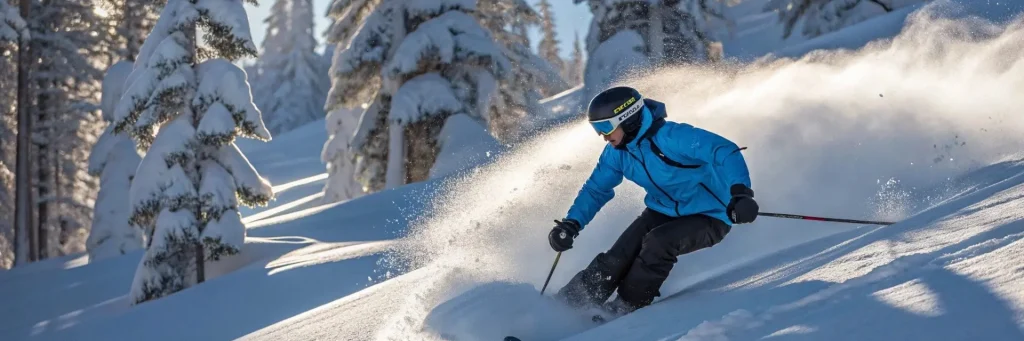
742, 208
563, 233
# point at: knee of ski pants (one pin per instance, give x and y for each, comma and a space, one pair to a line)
668, 241
661, 243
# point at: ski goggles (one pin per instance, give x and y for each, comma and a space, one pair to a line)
607, 126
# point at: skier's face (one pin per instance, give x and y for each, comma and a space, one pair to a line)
615, 138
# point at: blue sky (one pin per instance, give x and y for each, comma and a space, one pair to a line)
569, 18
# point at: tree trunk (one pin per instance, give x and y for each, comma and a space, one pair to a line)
43, 167
396, 164
58, 223
200, 256
396, 156
26, 244
422, 147
131, 21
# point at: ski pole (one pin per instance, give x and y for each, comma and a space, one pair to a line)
838, 220
559, 255
802, 217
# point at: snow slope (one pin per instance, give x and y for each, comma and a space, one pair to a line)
295, 262
908, 128
949, 273
295, 255
924, 130
291, 162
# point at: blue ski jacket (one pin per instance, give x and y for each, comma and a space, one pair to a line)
685, 171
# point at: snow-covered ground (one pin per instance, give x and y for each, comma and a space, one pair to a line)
291, 162
924, 131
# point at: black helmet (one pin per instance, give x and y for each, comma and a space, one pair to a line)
614, 107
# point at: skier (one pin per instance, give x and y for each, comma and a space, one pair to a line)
686, 171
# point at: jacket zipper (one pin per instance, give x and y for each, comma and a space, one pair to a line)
644, 165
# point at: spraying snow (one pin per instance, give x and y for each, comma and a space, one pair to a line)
876, 133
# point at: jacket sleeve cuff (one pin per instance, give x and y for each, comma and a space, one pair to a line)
741, 190
574, 223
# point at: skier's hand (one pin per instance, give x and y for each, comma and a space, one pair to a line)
742, 208
563, 233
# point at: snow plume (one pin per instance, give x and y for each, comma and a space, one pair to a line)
817, 17
825, 135
187, 114
114, 159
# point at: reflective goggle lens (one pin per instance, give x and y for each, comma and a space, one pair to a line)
603, 127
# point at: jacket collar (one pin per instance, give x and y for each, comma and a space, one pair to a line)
653, 118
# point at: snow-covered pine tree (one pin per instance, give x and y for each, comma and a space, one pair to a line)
824, 16
114, 159
548, 46
341, 182
531, 78
273, 50
342, 121
64, 82
416, 64
628, 35
292, 84
187, 114
12, 27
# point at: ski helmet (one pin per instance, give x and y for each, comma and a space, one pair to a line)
614, 107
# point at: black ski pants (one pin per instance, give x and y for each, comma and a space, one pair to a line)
640, 260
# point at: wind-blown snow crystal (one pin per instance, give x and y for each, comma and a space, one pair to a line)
825, 133
616, 58
817, 17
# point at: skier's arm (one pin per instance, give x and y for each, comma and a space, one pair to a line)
598, 190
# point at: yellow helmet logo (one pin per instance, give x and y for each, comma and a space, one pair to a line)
631, 100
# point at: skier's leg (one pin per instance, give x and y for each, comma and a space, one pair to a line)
658, 255
597, 281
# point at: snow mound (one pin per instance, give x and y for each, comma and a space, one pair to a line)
464, 144
492, 311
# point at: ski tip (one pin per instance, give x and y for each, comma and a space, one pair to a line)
512, 338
